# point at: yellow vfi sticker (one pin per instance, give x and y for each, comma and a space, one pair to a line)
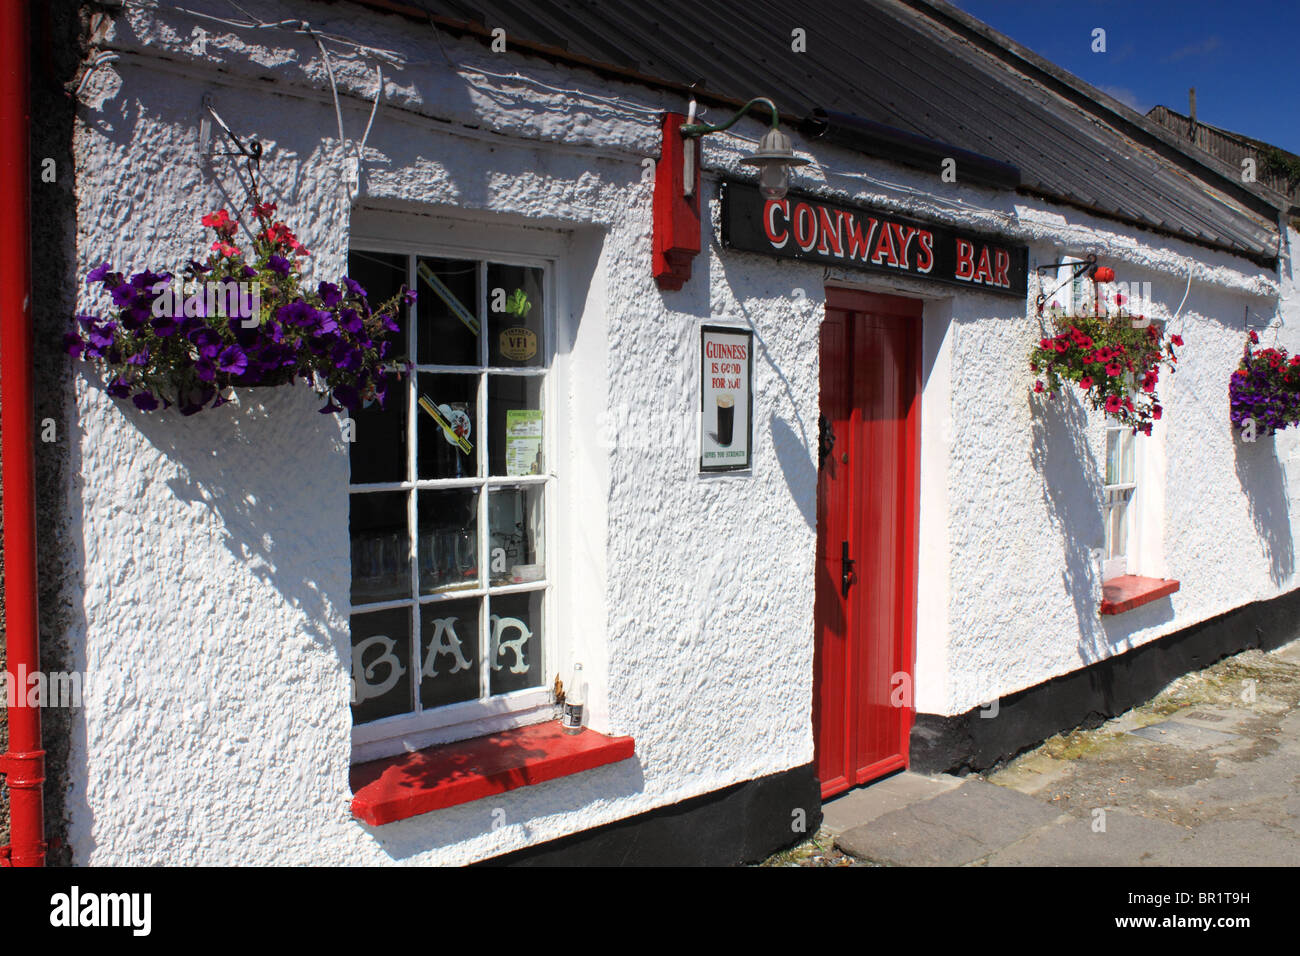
517, 344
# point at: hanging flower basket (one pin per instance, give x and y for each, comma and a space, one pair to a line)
1264, 391
1114, 360
238, 320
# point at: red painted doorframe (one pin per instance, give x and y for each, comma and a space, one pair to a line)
867, 512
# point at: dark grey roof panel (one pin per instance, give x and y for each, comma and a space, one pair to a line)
916, 65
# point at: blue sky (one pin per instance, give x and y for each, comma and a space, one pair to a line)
1241, 55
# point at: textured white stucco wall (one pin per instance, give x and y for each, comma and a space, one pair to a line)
214, 550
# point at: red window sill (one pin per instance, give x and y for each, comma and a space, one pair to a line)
409, 784
1131, 591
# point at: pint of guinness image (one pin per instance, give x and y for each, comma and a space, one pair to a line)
726, 418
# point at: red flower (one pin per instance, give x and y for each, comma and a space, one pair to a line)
1119, 298
225, 248
1046, 344
1085, 383
1112, 404
1114, 369
1128, 403
1254, 337
1038, 386
1156, 411
218, 220
1176, 339
1102, 354
263, 210
1104, 274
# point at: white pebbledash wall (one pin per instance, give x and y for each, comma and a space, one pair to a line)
213, 601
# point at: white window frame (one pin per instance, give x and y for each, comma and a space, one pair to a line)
1121, 493
398, 234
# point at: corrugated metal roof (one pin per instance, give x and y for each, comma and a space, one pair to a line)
1230, 147
917, 65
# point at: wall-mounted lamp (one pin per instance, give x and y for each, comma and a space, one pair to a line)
774, 156
677, 175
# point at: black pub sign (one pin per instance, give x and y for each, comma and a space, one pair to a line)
801, 226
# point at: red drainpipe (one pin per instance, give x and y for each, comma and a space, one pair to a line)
24, 764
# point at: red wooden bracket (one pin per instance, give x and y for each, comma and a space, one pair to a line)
676, 215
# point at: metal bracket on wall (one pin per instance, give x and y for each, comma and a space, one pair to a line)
1084, 265
250, 151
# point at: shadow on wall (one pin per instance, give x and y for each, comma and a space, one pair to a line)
1260, 475
1072, 489
223, 453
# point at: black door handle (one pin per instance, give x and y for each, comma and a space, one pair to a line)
846, 569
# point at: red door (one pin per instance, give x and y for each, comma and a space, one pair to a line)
866, 536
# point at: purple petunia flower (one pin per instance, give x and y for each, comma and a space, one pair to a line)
408, 296
73, 345
329, 293
145, 401
205, 369
124, 295
279, 265
249, 273
99, 273
134, 318
119, 388
387, 322
298, 313
100, 335
347, 396
351, 321
139, 358
207, 341
353, 287
147, 280
165, 326
233, 361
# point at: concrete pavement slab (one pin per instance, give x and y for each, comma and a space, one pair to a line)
865, 804
952, 829
1127, 840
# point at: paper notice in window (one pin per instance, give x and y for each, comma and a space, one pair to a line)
523, 442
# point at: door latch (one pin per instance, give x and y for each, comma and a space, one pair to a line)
826, 438
846, 569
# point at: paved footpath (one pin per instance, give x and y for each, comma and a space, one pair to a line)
1205, 774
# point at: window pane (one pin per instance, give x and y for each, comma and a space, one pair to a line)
447, 307
515, 311
381, 567
382, 275
448, 540
515, 547
1112, 456
449, 652
516, 641
448, 412
515, 429
381, 664
1126, 439
378, 451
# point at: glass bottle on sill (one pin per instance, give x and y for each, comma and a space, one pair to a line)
575, 696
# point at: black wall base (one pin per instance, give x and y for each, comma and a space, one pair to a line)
744, 823
1089, 697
